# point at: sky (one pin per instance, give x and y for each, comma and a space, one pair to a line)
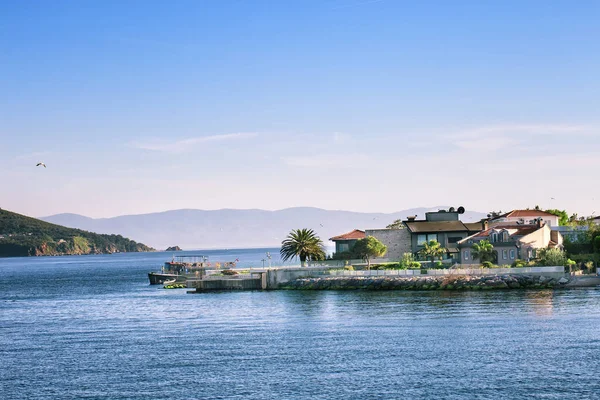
360, 105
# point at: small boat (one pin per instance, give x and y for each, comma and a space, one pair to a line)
180, 268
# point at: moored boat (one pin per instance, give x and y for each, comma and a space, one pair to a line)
181, 268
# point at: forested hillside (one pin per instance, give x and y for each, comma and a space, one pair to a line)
25, 236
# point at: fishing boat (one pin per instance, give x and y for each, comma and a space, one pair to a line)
181, 268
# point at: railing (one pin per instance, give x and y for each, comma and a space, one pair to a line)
217, 277
442, 272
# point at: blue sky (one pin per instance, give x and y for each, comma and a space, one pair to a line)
145, 106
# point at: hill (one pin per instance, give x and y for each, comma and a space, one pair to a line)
25, 236
227, 228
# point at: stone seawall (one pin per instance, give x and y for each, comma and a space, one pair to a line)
427, 283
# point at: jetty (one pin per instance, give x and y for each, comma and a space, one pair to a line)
327, 278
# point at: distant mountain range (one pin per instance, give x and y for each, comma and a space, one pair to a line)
228, 228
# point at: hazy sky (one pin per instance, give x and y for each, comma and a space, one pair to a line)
142, 106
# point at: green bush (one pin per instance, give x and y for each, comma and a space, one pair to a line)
344, 255
406, 259
519, 264
583, 258
414, 265
487, 264
348, 268
589, 266
229, 272
391, 265
552, 257
439, 265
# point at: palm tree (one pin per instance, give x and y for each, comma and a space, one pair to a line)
483, 250
432, 249
304, 244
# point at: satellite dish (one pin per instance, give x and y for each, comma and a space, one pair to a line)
452, 209
461, 210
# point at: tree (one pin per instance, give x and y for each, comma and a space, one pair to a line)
563, 217
484, 251
304, 244
553, 257
397, 224
432, 249
368, 248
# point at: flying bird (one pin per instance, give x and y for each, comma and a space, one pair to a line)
321, 225
40, 163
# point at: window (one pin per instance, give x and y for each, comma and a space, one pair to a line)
504, 236
343, 247
454, 239
466, 254
512, 254
504, 254
494, 237
424, 238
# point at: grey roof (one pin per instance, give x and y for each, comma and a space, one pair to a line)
435, 226
473, 226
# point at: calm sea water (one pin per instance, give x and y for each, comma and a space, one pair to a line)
91, 327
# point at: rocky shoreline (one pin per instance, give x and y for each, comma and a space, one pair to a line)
429, 283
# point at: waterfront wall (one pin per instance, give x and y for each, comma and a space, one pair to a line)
555, 272
428, 283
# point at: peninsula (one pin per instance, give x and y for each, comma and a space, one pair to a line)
25, 236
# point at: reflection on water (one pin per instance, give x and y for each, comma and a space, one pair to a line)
92, 327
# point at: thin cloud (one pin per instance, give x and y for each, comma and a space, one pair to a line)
497, 137
34, 155
184, 145
530, 129
326, 160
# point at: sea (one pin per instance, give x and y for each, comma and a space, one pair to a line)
91, 327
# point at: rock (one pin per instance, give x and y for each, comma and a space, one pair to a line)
173, 248
562, 281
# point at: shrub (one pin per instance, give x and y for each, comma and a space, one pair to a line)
229, 272
349, 268
552, 257
582, 258
406, 259
414, 265
589, 266
439, 265
487, 264
344, 255
519, 264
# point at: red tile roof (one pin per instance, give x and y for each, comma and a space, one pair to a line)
353, 235
525, 214
513, 230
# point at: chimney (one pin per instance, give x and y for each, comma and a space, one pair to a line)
411, 218
484, 224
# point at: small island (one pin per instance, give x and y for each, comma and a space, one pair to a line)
173, 248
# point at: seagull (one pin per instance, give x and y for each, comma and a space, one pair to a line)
40, 163
321, 225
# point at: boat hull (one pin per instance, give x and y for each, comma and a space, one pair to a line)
159, 278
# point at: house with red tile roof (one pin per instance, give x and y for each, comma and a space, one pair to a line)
525, 217
346, 241
511, 242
